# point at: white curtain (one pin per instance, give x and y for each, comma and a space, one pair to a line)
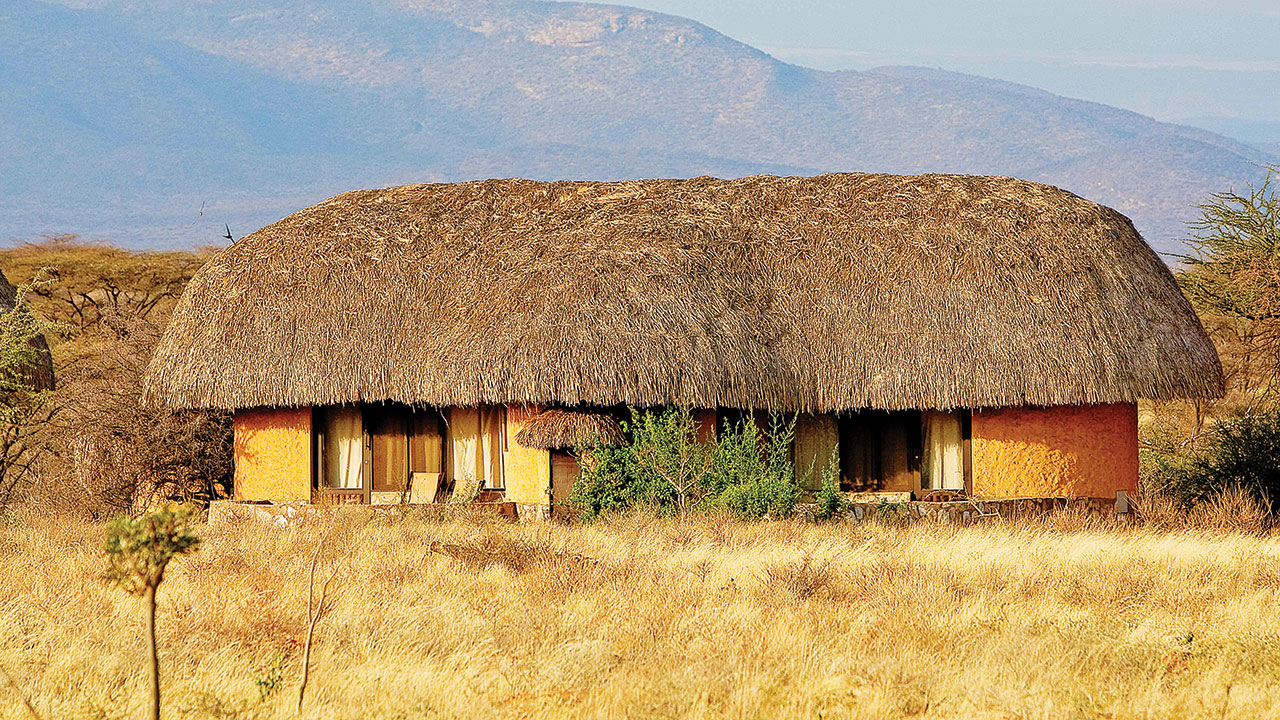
464, 424
343, 448
490, 450
944, 448
475, 446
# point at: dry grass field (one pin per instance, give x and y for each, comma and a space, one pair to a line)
471, 617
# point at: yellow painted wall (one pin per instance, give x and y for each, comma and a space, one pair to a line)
816, 438
1071, 451
273, 454
527, 470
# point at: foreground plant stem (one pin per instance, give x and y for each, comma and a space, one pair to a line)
153, 658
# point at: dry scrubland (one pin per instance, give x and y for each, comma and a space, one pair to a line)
656, 618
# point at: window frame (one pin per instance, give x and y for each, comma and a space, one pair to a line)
319, 426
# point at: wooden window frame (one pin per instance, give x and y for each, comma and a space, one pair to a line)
319, 421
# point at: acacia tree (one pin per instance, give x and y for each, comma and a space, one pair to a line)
138, 552
26, 378
1233, 279
93, 280
129, 454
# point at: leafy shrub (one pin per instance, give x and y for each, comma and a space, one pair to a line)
27, 409
1242, 453
760, 497
661, 465
138, 552
664, 466
753, 476
832, 502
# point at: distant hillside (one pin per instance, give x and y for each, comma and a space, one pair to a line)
157, 126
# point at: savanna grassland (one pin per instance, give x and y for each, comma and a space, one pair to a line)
641, 617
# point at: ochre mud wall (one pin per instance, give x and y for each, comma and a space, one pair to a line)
527, 470
1068, 451
273, 454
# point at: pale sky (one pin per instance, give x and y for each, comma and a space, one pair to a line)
1214, 64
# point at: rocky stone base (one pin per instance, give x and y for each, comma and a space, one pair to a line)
285, 514
865, 509
965, 511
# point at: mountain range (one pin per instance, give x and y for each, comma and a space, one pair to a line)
156, 124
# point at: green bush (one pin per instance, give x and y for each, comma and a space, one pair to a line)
761, 497
660, 466
1242, 453
832, 501
753, 476
663, 465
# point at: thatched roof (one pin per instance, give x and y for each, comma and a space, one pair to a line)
40, 373
822, 293
554, 429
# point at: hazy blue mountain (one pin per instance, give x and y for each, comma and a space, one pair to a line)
156, 122
1271, 148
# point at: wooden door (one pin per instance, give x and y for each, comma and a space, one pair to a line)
387, 428
426, 455
564, 470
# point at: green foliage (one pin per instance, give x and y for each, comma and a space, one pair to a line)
664, 466
890, 512
20, 332
832, 501
1242, 452
139, 549
26, 405
272, 678
1233, 279
760, 497
662, 455
752, 476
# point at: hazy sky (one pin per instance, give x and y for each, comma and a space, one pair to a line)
1215, 64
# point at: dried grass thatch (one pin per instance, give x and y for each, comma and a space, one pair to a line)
39, 374
554, 429
792, 293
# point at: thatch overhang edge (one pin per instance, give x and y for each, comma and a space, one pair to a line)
809, 294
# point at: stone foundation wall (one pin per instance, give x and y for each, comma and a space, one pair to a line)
971, 511
299, 513
951, 511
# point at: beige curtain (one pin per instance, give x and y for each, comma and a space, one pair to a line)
490, 447
343, 448
475, 446
944, 451
460, 446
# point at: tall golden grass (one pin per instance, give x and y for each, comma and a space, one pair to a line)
640, 617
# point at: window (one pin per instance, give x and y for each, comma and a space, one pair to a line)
879, 451
944, 457
904, 451
342, 448
375, 453
475, 444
